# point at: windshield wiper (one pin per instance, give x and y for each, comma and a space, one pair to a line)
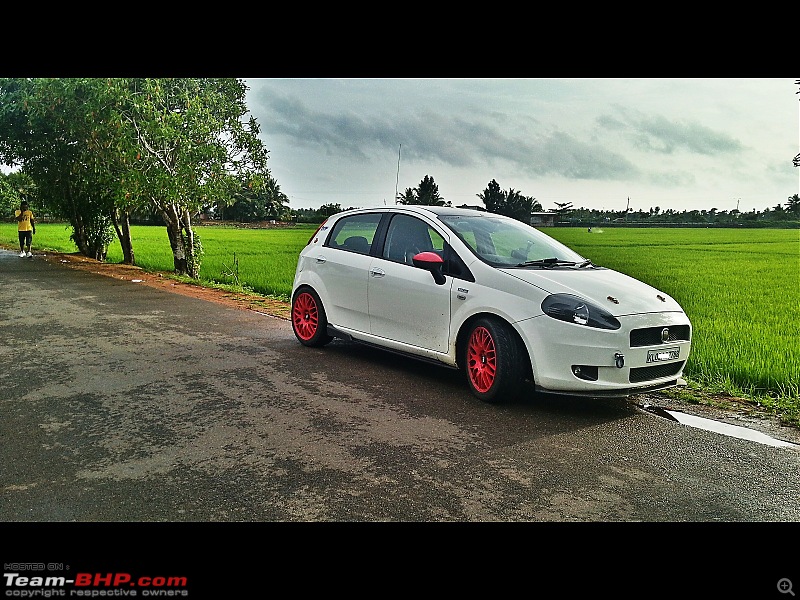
586, 263
546, 262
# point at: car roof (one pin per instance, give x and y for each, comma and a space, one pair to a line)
422, 209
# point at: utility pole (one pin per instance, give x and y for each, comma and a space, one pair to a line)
397, 180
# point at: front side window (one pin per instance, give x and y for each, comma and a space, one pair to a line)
408, 236
354, 233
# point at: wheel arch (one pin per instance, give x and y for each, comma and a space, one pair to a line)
463, 335
312, 329
313, 281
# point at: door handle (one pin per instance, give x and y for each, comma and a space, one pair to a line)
321, 259
376, 272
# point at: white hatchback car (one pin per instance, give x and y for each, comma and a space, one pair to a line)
490, 295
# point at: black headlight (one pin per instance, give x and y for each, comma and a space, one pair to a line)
572, 309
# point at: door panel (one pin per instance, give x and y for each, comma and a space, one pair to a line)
343, 264
345, 275
405, 303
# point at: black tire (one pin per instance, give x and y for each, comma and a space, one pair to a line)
493, 361
309, 323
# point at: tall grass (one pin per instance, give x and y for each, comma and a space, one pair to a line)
740, 288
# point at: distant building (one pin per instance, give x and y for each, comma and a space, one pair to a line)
543, 219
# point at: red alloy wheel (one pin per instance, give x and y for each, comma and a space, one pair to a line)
481, 359
305, 316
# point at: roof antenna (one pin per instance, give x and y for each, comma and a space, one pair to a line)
397, 180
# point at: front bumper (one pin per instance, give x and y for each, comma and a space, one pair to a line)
608, 364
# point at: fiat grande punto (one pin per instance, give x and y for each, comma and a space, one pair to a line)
490, 295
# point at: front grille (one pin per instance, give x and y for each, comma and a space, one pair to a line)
651, 336
640, 374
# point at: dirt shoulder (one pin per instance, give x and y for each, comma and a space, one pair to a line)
727, 409
166, 281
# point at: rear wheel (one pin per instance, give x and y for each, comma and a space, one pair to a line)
493, 361
309, 323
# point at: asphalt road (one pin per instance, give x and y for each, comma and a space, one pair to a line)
127, 404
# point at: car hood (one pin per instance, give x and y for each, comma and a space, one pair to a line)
618, 293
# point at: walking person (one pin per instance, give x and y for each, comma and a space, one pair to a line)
26, 227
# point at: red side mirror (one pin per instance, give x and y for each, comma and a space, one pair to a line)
432, 262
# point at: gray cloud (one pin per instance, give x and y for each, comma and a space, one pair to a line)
433, 137
564, 155
661, 135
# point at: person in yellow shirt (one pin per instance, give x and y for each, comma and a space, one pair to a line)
26, 227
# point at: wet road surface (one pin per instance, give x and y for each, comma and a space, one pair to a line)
128, 405
125, 403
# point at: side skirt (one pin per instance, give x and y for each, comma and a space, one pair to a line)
333, 331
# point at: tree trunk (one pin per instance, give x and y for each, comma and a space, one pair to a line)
126, 241
79, 235
191, 245
186, 250
122, 225
171, 218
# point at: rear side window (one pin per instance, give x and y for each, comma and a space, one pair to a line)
354, 233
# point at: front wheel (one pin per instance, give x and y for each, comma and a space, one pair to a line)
493, 361
309, 323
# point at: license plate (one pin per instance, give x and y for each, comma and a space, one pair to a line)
663, 354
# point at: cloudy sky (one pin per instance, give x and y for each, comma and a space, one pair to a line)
673, 143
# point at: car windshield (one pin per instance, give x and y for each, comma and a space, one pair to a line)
505, 242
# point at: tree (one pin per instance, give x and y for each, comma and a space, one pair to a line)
48, 126
493, 197
276, 203
262, 204
326, 210
14, 188
778, 212
562, 208
519, 207
100, 148
510, 203
407, 197
186, 145
793, 205
426, 193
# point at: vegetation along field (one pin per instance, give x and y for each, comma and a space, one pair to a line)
740, 288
